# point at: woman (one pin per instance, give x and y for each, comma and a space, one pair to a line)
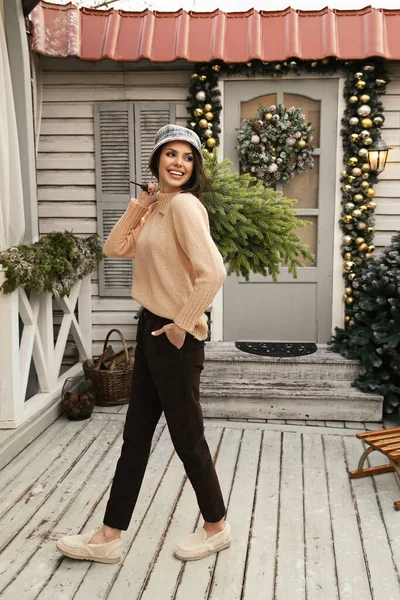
178, 271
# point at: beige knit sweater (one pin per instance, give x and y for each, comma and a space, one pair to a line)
178, 268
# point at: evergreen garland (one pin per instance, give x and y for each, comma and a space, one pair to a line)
374, 336
275, 146
252, 226
366, 81
54, 263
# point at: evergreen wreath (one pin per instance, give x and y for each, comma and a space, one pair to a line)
54, 263
275, 146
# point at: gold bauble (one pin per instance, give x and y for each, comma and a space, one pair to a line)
365, 98
371, 205
273, 158
302, 144
370, 230
365, 168
358, 198
202, 77
352, 276
344, 297
349, 300
208, 133
357, 213
347, 218
364, 184
359, 240
370, 192
368, 141
203, 123
198, 112
368, 255
347, 319
363, 152
349, 206
366, 122
358, 75
351, 178
378, 121
348, 265
216, 68
371, 249
192, 124
363, 207
249, 64
207, 107
352, 161
347, 256
348, 291
354, 137
361, 225
360, 84
278, 67
346, 239
347, 187
343, 173
356, 172
353, 99
211, 142
314, 64
365, 176
209, 116
268, 116
363, 247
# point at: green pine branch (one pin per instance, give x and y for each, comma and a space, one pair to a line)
252, 226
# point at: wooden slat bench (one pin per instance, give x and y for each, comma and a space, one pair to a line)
385, 441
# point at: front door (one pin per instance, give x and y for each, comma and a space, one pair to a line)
292, 309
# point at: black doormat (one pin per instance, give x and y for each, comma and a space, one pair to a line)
277, 348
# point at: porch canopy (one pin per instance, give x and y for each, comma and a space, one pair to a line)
234, 37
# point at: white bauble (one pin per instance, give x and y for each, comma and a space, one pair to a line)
364, 110
201, 96
273, 168
255, 139
290, 141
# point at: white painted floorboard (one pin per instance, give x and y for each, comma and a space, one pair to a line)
301, 529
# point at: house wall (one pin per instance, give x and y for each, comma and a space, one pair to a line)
66, 163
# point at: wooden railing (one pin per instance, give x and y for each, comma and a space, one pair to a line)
36, 341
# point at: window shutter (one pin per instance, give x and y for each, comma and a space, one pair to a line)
124, 137
115, 167
149, 117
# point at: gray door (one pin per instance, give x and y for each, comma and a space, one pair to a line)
292, 309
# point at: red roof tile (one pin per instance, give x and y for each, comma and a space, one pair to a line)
65, 30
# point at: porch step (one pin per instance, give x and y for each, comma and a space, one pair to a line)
224, 360
288, 399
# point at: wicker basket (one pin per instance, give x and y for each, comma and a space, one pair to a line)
111, 387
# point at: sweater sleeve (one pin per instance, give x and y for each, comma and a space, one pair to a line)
191, 225
121, 243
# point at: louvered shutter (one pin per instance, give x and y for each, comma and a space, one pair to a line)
149, 117
124, 136
115, 167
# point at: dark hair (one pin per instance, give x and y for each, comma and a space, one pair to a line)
197, 182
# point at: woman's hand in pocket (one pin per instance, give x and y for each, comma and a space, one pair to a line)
174, 333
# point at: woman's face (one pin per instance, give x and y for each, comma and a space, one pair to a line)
175, 167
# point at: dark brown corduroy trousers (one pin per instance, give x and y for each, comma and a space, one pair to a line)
167, 379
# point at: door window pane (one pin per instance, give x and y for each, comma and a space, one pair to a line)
304, 187
311, 110
248, 110
308, 235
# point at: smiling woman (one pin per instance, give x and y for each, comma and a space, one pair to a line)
178, 271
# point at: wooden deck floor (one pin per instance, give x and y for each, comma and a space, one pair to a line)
301, 529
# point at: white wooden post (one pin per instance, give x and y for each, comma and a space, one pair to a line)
85, 314
11, 399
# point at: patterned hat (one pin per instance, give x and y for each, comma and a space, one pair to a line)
176, 132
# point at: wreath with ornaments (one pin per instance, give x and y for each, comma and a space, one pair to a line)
276, 145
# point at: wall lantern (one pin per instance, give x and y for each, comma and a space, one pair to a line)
377, 156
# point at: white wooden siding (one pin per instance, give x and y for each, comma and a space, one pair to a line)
388, 189
66, 163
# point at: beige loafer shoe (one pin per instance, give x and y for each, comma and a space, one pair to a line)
196, 545
77, 546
